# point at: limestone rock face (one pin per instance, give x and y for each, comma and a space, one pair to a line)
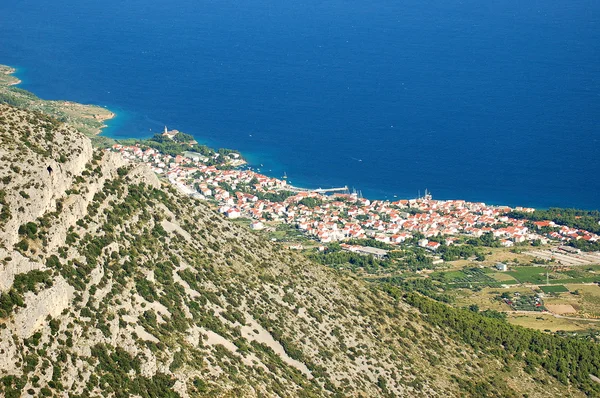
39, 162
49, 302
17, 264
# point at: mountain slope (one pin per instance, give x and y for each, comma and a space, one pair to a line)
87, 119
114, 284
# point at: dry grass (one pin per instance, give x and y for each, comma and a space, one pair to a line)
561, 309
459, 264
549, 322
506, 256
502, 277
588, 299
586, 303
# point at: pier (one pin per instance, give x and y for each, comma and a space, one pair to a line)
318, 190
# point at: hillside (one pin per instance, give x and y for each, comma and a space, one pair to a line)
115, 284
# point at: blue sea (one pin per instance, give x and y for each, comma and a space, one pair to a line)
495, 101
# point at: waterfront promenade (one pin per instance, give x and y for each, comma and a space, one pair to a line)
292, 188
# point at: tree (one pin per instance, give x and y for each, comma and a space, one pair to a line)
182, 137
30, 230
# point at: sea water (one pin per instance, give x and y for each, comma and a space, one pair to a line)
495, 101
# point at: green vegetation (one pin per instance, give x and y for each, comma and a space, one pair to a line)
585, 245
526, 302
162, 281
537, 275
488, 239
179, 144
396, 261
466, 278
310, 202
554, 289
369, 243
456, 252
274, 197
568, 360
29, 230
529, 274
87, 119
287, 233
165, 145
5, 214
426, 287
26, 282
354, 261
114, 375
581, 219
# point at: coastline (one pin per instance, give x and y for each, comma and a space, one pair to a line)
328, 216
86, 118
10, 72
7, 77
92, 120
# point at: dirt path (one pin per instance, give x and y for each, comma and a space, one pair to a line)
574, 318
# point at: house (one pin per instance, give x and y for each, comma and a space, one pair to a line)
501, 267
233, 213
398, 238
542, 224
382, 238
450, 241
519, 238
365, 250
432, 245
257, 226
569, 249
224, 209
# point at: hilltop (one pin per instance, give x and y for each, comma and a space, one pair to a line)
115, 284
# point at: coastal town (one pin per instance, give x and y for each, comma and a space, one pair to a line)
269, 201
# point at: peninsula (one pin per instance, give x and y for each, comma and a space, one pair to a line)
87, 119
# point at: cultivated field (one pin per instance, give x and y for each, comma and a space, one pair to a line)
561, 309
554, 289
